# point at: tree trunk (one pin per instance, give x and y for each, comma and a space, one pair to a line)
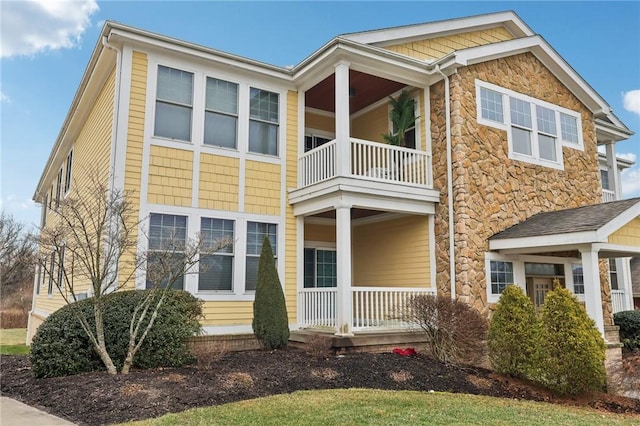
102, 347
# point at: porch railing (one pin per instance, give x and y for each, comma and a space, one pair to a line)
372, 307
608, 195
368, 160
618, 302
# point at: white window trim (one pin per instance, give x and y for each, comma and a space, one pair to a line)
506, 125
198, 92
68, 173
518, 273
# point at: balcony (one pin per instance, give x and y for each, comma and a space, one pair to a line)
608, 196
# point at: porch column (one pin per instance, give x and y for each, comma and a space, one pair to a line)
342, 119
343, 269
592, 290
612, 165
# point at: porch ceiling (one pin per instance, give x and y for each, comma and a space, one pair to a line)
366, 89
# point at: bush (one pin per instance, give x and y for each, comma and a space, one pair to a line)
270, 322
61, 347
456, 332
629, 322
513, 334
572, 350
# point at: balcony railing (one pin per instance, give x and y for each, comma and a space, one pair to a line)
366, 160
608, 195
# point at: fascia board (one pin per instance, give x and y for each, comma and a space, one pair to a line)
615, 132
585, 237
512, 22
628, 251
618, 222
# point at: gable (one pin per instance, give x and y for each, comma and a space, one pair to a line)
628, 235
430, 49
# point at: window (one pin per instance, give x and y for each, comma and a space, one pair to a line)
52, 268
167, 236
51, 197
174, 104
221, 113
501, 275
314, 141
263, 122
67, 178
613, 274
319, 268
410, 133
61, 276
536, 129
578, 279
216, 270
45, 205
59, 188
604, 177
256, 232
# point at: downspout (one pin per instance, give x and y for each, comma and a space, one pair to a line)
452, 259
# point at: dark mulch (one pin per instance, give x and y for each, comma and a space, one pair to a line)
97, 398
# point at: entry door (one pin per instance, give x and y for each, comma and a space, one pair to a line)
541, 286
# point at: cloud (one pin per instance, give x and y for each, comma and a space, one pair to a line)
631, 101
4, 98
631, 182
30, 27
630, 156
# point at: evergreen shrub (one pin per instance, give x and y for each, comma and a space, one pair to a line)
629, 322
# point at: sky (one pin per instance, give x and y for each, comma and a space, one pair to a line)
45, 46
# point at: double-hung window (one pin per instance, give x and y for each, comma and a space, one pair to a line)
221, 113
174, 104
216, 269
521, 126
578, 279
256, 232
165, 261
501, 275
319, 268
52, 271
263, 121
58, 188
67, 175
613, 274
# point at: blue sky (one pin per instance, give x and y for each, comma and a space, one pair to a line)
46, 44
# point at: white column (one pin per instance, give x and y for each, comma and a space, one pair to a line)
343, 269
301, 315
592, 289
612, 165
342, 118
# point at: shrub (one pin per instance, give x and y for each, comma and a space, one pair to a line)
513, 334
572, 350
629, 322
270, 322
456, 332
61, 347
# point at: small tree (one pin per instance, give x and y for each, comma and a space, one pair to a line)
572, 350
513, 333
270, 321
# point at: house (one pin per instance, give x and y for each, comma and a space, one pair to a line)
497, 184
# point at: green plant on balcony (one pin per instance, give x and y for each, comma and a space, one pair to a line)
403, 118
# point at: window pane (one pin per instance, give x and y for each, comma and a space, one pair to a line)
216, 273
161, 267
251, 273
546, 120
172, 121
263, 138
213, 230
263, 105
521, 141
547, 147
569, 128
501, 275
578, 279
410, 138
220, 129
491, 105
256, 232
164, 228
326, 268
604, 177
309, 269
175, 85
520, 112
222, 96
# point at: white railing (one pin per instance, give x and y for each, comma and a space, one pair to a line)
382, 307
317, 307
368, 160
608, 195
618, 302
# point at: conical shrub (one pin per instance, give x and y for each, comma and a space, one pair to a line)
270, 322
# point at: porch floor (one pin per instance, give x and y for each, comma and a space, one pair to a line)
381, 341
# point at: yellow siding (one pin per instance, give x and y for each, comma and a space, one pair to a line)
219, 182
324, 233
227, 313
393, 253
372, 124
170, 176
262, 191
435, 48
628, 235
291, 256
319, 122
133, 161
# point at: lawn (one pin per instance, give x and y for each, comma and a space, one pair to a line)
378, 407
12, 341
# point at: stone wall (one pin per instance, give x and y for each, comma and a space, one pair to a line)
491, 191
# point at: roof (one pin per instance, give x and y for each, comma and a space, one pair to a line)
587, 218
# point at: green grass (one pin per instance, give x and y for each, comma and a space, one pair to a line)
375, 407
12, 341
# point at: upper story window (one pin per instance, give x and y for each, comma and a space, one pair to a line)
59, 188
174, 104
263, 121
67, 176
604, 177
536, 130
221, 113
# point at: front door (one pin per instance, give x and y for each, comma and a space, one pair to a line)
537, 288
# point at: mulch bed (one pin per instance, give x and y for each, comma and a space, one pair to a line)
97, 398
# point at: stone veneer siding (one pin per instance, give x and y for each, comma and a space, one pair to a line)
491, 191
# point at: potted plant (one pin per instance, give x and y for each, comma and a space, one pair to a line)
403, 118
